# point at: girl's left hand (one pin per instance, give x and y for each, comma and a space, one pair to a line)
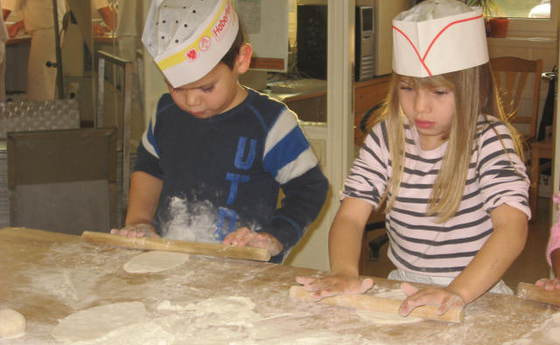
441, 297
245, 237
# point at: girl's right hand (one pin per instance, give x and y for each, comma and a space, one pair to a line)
136, 231
336, 284
549, 284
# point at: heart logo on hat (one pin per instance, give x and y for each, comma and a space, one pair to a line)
192, 54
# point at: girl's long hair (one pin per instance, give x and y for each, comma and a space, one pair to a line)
475, 96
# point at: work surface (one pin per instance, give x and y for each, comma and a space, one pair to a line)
47, 276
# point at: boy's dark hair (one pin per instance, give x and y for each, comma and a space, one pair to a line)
233, 52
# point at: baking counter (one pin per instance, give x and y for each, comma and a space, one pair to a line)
46, 276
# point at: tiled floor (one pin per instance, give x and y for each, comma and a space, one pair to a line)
528, 267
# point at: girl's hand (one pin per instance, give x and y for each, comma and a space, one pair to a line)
441, 297
336, 284
244, 237
136, 231
548, 284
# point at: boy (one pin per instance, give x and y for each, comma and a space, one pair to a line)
215, 154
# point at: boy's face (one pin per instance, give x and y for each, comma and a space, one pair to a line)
216, 92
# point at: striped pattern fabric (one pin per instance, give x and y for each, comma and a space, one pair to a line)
228, 169
287, 153
418, 243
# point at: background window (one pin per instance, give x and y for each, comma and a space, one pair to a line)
523, 8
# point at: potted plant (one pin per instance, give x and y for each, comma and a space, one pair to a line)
495, 26
488, 6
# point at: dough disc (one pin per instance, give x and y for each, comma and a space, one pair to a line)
95, 322
12, 324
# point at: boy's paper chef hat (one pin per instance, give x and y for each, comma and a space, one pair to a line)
438, 36
188, 38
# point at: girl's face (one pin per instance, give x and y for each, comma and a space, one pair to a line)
430, 109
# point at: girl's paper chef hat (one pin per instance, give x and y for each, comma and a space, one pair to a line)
188, 38
438, 36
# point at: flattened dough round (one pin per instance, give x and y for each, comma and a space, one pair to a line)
155, 261
92, 323
12, 324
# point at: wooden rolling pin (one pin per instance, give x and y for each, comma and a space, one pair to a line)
379, 304
212, 249
535, 293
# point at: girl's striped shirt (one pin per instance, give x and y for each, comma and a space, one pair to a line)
418, 243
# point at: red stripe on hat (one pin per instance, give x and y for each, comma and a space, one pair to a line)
415, 49
423, 59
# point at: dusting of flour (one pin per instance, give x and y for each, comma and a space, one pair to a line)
547, 334
190, 221
233, 320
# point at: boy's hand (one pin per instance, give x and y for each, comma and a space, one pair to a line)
244, 237
336, 284
136, 231
549, 284
443, 298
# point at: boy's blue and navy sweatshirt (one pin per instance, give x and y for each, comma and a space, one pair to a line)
236, 162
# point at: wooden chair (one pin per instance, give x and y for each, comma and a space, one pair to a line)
519, 84
372, 245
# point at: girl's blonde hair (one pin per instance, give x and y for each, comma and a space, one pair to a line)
475, 95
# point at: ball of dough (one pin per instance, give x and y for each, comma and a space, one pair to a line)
12, 324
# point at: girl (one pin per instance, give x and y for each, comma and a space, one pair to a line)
553, 255
455, 187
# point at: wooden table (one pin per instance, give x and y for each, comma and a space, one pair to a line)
46, 276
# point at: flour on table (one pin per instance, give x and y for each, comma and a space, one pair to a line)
287, 329
155, 261
548, 333
12, 324
213, 321
385, 318
232, 320
96, 322
308, 337
223, 310
143, 333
